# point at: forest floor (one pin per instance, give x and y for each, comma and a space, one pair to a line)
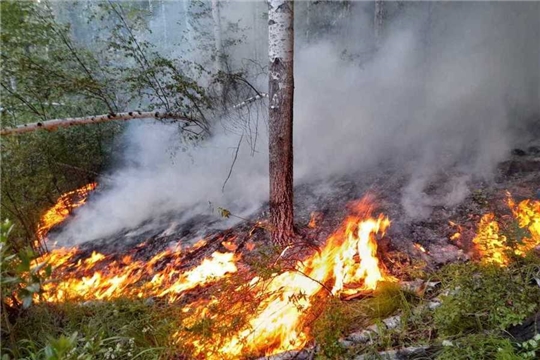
449, 302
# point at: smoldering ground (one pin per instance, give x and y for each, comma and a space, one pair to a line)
439, 95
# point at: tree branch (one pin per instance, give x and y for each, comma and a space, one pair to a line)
63, 123
250, 100
232, 165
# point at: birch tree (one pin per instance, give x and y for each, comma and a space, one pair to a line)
280, 122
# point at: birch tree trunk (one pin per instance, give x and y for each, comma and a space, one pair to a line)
378, 21
280, 122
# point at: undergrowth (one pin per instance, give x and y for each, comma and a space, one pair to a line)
478, 304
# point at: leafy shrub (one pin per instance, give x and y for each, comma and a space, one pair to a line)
486, 297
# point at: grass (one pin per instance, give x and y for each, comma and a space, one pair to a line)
478, 304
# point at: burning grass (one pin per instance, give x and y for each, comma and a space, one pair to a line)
63, 208
222, 307
281, 303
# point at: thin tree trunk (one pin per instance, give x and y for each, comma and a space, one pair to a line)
378, 21
164, 21
218, 47
63, 123
280, 122
217, 35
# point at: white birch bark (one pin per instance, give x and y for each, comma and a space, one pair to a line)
55, 124
280, 118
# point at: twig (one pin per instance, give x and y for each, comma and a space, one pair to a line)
232, 165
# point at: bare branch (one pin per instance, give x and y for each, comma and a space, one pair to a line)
250, 100
234, 161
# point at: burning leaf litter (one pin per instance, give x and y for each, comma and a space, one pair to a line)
346, 265
63, 207
494, 247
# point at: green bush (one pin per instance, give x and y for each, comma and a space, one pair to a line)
481, 297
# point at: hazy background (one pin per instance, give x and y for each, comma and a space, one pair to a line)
444, 93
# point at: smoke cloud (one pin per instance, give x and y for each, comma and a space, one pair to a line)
439, 96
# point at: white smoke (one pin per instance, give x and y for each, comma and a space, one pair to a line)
444, 107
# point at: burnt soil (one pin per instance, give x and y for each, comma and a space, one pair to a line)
520, 175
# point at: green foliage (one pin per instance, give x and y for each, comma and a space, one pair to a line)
339, 318
486, 297
530, 349
21, 278
124, 329
48, 73
479, 347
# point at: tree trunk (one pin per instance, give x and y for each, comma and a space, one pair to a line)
280, 122
378, 21
217, 35
62, 123
164, 21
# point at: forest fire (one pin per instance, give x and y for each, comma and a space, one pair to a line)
494, 247
281, 304
100, 277
63, 207
347, 264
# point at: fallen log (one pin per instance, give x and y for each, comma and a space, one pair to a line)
55, 124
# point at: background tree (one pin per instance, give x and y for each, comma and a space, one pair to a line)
280, 122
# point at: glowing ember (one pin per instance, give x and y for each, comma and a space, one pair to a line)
314, 218
63, 207
347, 264
457, 235
420, 247
494, 247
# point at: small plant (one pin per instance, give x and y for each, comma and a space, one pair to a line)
479, 347
21, 281
530, 349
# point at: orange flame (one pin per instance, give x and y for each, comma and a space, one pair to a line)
99, 277
457, 235
420, 247
494, 247
63, 207
346, 265
314, 218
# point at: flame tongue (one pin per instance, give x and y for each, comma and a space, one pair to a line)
63, 207
348, 258
494, 247
88, 280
